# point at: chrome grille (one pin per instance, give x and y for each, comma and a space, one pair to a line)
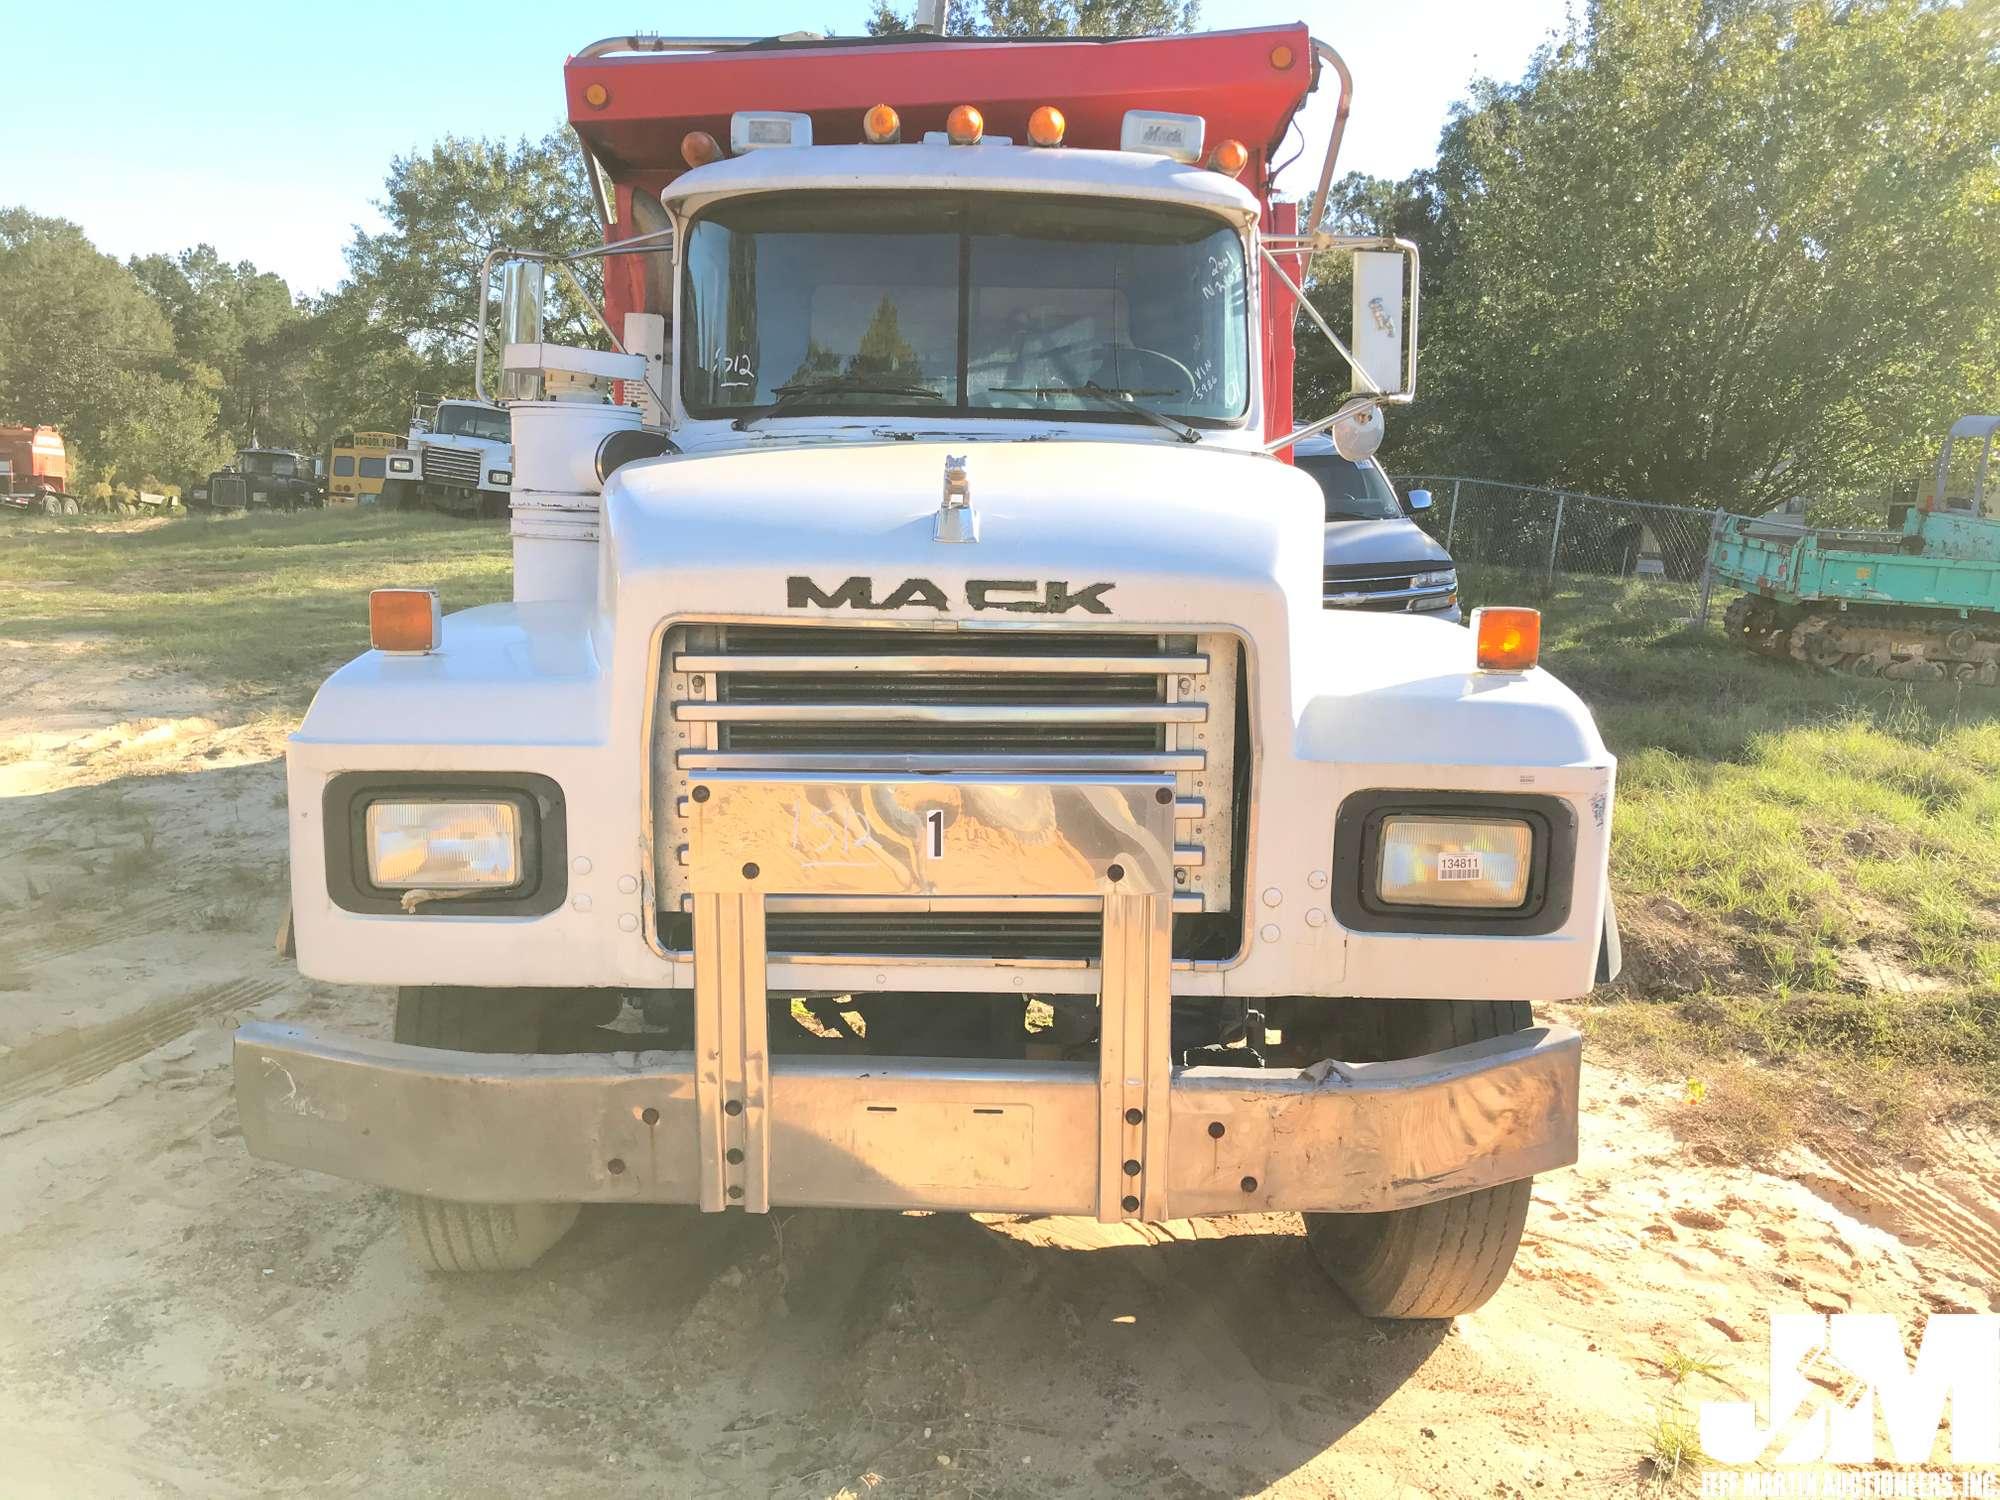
841, 699
226, 491
451, 465
1380, 586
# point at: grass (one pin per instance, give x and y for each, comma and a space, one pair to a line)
1806, 868
264, 605
1673, 1449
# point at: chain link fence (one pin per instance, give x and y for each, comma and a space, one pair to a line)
1567, 538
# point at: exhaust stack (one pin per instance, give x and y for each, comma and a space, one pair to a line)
559, 399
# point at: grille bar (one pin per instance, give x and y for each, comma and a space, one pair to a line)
941, 713
933, 662
928, 761
452, 465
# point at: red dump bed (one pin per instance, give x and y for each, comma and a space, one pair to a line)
1248, 85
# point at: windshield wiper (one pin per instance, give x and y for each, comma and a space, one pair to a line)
1124, 399
796, 392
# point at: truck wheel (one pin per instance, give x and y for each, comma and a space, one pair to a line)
395, 494
1440, 1259
448, 1236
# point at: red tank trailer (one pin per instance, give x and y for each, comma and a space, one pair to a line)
34, 471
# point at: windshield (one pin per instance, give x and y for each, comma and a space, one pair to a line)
271, 465
1354, 491
474, 421
962, 303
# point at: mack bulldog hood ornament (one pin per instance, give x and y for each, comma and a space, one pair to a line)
957, 521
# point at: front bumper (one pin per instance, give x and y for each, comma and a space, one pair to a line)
729, 1124
911, 1133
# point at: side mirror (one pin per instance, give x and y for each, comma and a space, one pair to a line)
1379, 289
1420, 499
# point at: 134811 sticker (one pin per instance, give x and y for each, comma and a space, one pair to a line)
1460, 866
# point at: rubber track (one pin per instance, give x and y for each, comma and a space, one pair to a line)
105, 1047
1893, 1200
131, 921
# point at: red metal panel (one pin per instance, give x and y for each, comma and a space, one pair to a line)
1280, 319
1227, 76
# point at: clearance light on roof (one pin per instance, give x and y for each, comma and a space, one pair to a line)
1230, 158
1509, 640
964, 126
752, 130
1046, 126
698, 148
1159, 134
404, 619
882, 126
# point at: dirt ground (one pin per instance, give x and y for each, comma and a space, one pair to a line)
179, 1318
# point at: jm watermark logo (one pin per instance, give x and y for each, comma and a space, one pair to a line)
1831, 1376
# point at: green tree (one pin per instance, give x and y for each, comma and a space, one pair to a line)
1721, 251
446, 209
1024, 18
233, 319
165, 431
73, 322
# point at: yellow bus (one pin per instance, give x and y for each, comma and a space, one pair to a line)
357, 464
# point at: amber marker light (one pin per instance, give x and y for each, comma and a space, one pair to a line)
882, 126
1230, 158
698, 148
1046, 126
1509, 639
404, 619
1281, 57
964, 126
596, 95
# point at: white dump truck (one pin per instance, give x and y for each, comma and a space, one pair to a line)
458, 458
916, 770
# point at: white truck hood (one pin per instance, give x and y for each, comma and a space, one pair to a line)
1176, 534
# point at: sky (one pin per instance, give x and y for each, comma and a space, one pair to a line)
267, 129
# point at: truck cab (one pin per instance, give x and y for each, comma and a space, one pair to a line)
1377, 557
458, 458
917, 770
261, 479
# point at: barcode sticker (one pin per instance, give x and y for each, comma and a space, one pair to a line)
1460, 867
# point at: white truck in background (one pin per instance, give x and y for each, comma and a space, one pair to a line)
459, 459
919, 773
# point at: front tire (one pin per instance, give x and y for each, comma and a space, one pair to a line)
444, 1235
1440, 1259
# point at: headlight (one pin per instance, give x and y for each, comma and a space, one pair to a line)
502, 476
443, 845
402, 466
1446, 579
1466, 862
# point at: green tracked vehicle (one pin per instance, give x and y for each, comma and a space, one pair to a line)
1919, 601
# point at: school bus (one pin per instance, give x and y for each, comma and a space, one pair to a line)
357, 464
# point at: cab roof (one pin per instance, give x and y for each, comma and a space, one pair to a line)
986, 168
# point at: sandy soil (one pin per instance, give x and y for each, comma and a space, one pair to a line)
179, 1318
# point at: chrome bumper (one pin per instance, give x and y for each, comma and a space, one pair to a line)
909, 1133
729, 1124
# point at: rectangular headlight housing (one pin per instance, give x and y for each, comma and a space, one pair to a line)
446, 846
1436, 861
